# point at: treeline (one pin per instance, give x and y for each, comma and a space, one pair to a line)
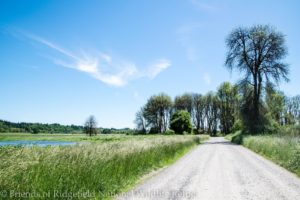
11, 127
22, 127
220, 111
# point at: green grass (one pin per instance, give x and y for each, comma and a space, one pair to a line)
281, 149
65, 137
95, 169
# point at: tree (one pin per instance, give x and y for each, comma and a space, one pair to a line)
228, 98
184, 102
275, 102
140, 121
181, 122
198, 112
292, 110
258, 52
157, 112
211, 113
90, 126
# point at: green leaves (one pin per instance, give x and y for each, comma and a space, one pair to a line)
181, 122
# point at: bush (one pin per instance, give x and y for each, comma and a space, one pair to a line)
185, 133
237, 138
169, 132
35, 131
237, 126
181, 122
293, 130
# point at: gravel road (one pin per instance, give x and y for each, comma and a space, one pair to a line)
217, 170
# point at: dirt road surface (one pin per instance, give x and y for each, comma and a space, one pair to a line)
219, 170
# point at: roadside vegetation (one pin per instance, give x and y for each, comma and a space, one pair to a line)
283, 147
103, 169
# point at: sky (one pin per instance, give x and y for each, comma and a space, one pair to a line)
63, 60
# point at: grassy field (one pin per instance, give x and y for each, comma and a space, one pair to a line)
281, 149
95, 170
67, 137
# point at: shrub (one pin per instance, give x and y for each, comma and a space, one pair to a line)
181, 122
169, 132
237, 138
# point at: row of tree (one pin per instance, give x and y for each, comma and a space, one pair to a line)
6, 126
215, 111
253, 104
23, 127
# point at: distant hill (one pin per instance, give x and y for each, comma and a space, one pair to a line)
23, 127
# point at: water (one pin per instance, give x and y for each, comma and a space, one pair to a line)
38, 143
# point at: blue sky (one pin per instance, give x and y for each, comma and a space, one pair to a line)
64, 60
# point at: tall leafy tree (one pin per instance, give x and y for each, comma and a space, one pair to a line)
275, 102
157, 112
199, 112
292, 110
140, 121
228, 100
184, 102
211, 113
258, 52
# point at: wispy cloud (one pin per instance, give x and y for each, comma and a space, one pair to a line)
157, 68
101, 66
185, 37
204, 5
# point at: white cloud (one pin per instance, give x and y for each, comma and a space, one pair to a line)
102, 66
50, 45
157, 68
204, 5
206, 78
186, 38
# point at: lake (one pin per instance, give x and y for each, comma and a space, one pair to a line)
38, 143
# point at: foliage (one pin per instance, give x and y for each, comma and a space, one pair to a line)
292, 110
169, 132
199, 112
184, 102
6, 126
283, 150
102, 169
211, 112
258, 52
283, 147
157, 112
181, 122
140, 122
10, 127
228, 97
291, 130
275, 104
90, 126
237, 138
253, 121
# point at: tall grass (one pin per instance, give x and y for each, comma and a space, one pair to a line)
94, 171
282, 148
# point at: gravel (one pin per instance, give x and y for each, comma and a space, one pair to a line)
218, 169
